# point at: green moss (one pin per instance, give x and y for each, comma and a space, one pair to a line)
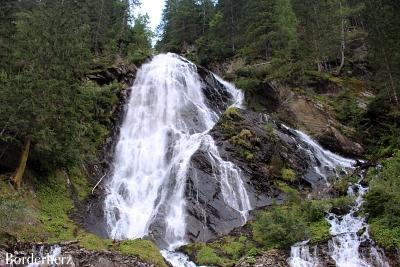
93, 242
54, 206
232, 113
79, 181
319, 231
243, 139
235, 249
269, 128
143, 249
288, 175
207, 256
385, 236
247, 155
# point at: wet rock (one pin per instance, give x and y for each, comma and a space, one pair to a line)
341, 210
214, 91
71, 256
315, 119
334, 140
273, 258
121, 73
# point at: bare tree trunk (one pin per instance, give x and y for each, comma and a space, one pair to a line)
390, 76
232, 28
204, 16
343, 42
96, 35
123, 26
16, 179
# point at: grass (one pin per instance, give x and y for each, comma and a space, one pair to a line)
224, 252
319, 231
207, 256
385, 236
288, 175
143, 249
42, 216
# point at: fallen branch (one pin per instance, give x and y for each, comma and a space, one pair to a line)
101, 179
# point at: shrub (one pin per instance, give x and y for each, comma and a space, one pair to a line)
143, 249
279, 227
288, 175
235, 249
207, 256
382, 202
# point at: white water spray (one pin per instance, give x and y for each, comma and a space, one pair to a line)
167, 121
345, 243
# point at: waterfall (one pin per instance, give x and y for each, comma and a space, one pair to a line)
300, 256
166, 122
346, 239
345, 242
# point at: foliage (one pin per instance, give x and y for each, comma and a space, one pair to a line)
297, 220
144, 249
382, 202
279, 227
50, 47
207, 256
288, 175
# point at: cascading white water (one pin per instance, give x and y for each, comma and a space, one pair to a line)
345, 243
48, 260
324, 162
167, 121
300, 256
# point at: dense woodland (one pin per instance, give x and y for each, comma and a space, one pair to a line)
47, 49
296, 39
52, 117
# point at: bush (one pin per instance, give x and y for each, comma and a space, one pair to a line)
207, 256
288, 175
248, 84
143, 249
382, 202
235, 249
279, 227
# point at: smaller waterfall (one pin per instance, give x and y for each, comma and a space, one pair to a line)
300, 256
232, 186
46, 260
324, 162
344, 247
177, 259
345, 244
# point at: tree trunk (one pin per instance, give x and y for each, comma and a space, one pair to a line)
232, 27
16, 179
343, 43
96, 35
391, 80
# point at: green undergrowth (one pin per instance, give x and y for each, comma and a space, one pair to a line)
382, 203
277, 227
223, 252
41, 214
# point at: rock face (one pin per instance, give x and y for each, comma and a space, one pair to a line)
271, 258
316, 120
71, 256
121, 73
260, 148
90, 213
